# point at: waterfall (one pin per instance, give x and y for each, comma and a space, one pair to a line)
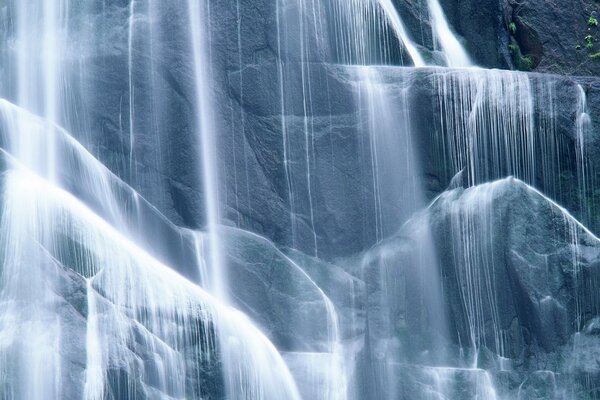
455, 55
206, 131
129, 337
358, 23
130, 39
293, 200
112, 266
400, 31
487, 116
499, 123
471, 218
584, 176
48, 228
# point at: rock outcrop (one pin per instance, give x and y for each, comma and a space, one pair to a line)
518, 276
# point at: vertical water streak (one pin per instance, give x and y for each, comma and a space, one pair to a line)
52, 47
241, 106
572, 232
284, 130
338, 388
202, 256
583, 127
95, 366
248, 363
208, 150
305, 74
41, 45
487, 124
150, 183
475, 254
400, 31
361, 31
394, 167
130, 50
397, 194
454, 53
551, 144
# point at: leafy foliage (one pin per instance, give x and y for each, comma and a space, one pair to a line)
522, 62
589, 41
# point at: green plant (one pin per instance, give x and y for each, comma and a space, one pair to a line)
522, 62
525, 63
592, 21
589, 41
512, 27
578, 47
595, 56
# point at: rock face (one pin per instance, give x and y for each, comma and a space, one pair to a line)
543, 117
520, 298
295, 168
154, 336
294, 126
75, 311
390, 232
276, 293
553, 37
557, 37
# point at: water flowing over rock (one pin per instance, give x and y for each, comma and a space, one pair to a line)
299, 200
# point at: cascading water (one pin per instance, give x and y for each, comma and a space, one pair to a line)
290, 200
453, 51
586, 177
139, 341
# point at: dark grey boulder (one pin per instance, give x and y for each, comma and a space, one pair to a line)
519, 278
276, 293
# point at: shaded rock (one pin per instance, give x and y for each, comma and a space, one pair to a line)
346, 291
444, 383
539, 385
275, 292
267, 186
519, 277
552, 33
481, 26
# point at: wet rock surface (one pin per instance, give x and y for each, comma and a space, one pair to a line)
295, 152
517, 298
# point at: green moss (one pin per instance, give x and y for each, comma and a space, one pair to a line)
522, 62
526, 63
595, 56
589, 41
512, 27
592, 21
